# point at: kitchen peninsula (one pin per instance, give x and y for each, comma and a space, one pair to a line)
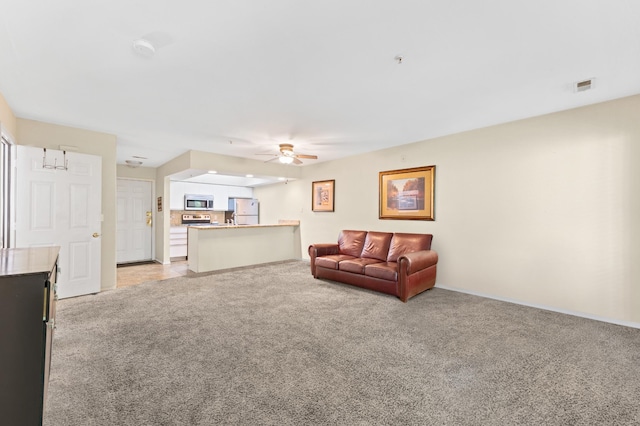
212, 248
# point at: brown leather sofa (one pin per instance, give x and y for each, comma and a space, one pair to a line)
399, 264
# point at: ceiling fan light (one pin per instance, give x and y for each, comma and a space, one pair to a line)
286, 160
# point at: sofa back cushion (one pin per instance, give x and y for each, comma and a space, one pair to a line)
351, 242
407, 243
376, 245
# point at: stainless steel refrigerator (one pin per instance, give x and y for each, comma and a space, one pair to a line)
245, 211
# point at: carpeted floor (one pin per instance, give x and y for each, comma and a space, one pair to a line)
272, 346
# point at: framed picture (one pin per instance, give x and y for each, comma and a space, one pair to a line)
322, 195
407, 193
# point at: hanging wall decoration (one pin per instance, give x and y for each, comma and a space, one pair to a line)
407, 193
322, 195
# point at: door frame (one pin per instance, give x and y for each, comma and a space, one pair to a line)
7, 220
154, 213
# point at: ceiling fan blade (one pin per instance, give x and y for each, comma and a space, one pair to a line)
311, 157
296, 161
273, 159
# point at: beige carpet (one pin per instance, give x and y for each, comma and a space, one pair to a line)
272, 346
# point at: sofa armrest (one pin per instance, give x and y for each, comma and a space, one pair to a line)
317, 250
417, 261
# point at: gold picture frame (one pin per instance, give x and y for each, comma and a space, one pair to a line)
407, 193
322, 195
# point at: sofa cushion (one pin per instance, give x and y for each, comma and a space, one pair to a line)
332, 261
356, 265
407, 243
382, 270
351, 242
376, 245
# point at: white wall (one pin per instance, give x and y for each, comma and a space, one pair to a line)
540, 211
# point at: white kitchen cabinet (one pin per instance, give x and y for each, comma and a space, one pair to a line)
239, 192
177, 191
178, 241
221, 193
220, 198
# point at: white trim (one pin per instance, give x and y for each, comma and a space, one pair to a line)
8, 204
4, 133
546, 308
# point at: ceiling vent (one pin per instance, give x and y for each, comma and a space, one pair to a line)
583, 85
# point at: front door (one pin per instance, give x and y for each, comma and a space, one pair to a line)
58, 203
133, 239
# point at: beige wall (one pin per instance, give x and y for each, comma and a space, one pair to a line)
539, 211
7, 119
163, 218
140, 173
45, 135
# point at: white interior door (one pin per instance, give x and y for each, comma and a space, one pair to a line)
135, 210
62, 208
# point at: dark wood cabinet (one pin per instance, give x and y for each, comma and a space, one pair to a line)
27, 322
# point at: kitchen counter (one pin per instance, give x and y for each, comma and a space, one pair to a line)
224, 246
227, 226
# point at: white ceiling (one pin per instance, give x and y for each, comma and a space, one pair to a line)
203, 176
238, 77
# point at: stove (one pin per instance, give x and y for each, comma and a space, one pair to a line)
190, 219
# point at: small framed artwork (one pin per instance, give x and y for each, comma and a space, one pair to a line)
407, 193
322, 195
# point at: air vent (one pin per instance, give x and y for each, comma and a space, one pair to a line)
583, 85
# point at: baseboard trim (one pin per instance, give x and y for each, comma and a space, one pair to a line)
142, 262
546, 308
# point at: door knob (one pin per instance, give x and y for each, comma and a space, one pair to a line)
95, 235
149, 219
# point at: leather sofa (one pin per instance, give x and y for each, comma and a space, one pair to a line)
399, 264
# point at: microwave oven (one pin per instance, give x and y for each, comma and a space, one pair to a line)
198, 202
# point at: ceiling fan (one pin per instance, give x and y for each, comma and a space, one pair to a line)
287, 156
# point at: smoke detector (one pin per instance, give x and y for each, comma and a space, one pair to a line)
144, 48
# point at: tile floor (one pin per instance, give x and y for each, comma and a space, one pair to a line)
136, 274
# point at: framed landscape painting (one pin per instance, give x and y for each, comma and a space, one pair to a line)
322, 195
407, 193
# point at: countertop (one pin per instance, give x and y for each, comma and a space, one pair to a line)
24, 261
227, 226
